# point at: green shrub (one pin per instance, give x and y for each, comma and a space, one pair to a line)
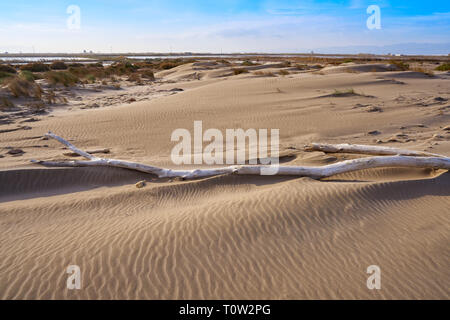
168, 65
121, 68
75, 65
35, 67
7, 69
84, 72
58, 65
62, 77
5, 75
443, 67
28, 75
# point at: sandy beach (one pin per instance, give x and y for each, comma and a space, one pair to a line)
230, 236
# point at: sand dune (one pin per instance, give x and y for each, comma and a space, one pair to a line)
233, 237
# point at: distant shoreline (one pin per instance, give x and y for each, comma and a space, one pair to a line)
195, 54
104, 57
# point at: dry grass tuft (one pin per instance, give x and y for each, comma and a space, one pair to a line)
6, 104
65, 78
429, 73
21, 87
147, 74
343, 93
237, 71
265, 73
400, 65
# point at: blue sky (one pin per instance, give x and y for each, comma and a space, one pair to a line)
223, 25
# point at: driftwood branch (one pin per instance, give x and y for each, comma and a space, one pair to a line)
363, 149
74, 154
415, 161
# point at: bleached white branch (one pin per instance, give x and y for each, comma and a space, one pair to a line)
436, 162
364, 149
70, 146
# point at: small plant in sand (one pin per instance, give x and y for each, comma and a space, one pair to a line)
50, 97
429, 73
37, 107
264, 73
285, 64
346, 92
301, 67
134, 77
283, 72
147, 74
237, 71
6, 104
400, 65
222, 61
443, 67
248, 63
317, 66
91, 78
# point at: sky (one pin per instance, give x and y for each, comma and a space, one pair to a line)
228, 26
